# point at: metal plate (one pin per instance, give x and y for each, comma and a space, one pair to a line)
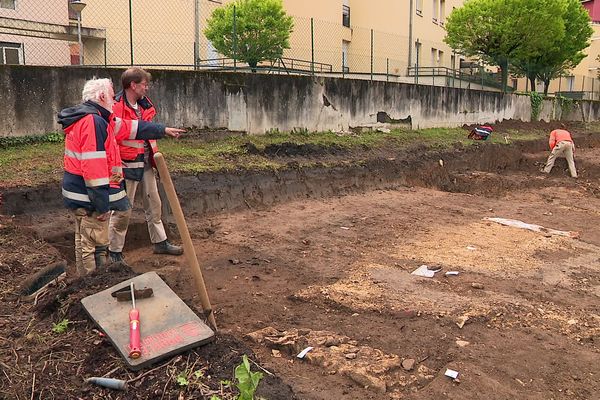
167, 325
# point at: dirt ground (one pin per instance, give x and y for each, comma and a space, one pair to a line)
519, 321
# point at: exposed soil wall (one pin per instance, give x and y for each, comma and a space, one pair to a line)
215, 192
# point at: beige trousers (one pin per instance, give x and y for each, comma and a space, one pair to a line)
564, 149
89, 234
119, 220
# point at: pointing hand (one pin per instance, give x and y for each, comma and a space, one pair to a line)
173, 132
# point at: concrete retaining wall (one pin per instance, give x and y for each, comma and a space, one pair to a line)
30, 97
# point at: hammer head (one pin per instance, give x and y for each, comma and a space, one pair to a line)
125, 293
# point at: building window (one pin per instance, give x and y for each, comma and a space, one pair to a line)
442, 12
345, 45
435, 5
419, 7
10, 4
418, 48
570, 83
346, 16
440, 60
11, 53
434, 55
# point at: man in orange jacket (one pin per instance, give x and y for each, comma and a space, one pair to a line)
139, 167
92, 183
561, 144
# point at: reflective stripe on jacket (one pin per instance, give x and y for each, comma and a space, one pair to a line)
130, 148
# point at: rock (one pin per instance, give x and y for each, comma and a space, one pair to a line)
462, 343
350, 356
477, 285
363, 378
259, 336
234, 261
425, 373
276, 353
462, 320
331, 341
408, 364
321, 341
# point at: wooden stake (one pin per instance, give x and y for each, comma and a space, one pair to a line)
188, 246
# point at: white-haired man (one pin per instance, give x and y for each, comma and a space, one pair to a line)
93, 176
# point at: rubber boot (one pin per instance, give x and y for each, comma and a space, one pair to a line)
101, 256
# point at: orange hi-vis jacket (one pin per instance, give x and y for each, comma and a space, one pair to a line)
131, 150
92, 156
559, 135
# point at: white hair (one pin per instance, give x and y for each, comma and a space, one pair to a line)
94, 88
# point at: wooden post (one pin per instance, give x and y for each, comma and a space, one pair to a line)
188, 246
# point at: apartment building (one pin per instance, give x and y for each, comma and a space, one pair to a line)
392, 35
33, 32
346, 35
19, 48
593, 8
385, 37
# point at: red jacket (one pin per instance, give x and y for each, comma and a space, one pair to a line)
91, 158
559, 135
92, 155
132, 150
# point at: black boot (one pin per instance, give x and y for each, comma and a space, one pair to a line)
165, 247
117, 257
101, 256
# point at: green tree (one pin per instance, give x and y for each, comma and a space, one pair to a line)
564, 53
499, 31
261, 32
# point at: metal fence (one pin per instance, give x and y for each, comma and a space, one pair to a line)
151, 33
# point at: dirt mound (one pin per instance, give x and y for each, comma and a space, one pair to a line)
366, 366
288, 149
67, 299
39, 360
507, 125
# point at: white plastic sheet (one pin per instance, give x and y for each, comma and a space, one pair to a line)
532, 227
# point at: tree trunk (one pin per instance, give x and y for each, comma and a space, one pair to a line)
504, 70
532, 82
253, 65
546, 86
